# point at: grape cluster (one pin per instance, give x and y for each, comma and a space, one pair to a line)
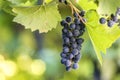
112, 19
73, 28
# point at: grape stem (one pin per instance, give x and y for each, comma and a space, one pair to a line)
74, 8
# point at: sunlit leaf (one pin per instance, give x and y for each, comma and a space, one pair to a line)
101, 36
108, 6
43, 18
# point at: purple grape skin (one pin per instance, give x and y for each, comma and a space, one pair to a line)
68, 68
68, 63
77, 58
63, 22
110, 23
77, 21
75, 51
72, 39
63, 60
66, 40
64, 30
80, 41
68, 19
69, 34
77, 27
63, 54
82, 13
75, 14
66, 25
75, 66
65, 49
74, 45
76, 33
71, 56
72, 26
115, 19
102, 20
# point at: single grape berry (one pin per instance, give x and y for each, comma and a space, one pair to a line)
65, 49
68, 19
72, 26
82, 13
75, 66
63, 60
68, 63
110, 23
66, 40
76, 33
62, 22
102, 20
71, 56
75, 52
68, 68
77, 21
75, 14
69, 34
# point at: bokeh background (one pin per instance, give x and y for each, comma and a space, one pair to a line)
26, 55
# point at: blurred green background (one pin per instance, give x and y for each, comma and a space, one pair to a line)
26, 55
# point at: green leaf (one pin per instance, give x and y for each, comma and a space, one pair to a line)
43, 18
108, 6
87, 4
101, 36
64, 10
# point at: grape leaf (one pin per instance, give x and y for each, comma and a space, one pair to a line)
101, 36
43, 18
87, 4
108, 6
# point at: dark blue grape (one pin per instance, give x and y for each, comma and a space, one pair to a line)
68, 68
75, 14
75, 66
77, 21
77, 27
68, 19
82, 13
102, 20
72, 39
74, 45
64, 30
80, 41
75, 51
65, 49
115, 19
66, 40
63, 22
63, 60
77, 58
68, 63
76, 33
69, 34
110, 23
79, 47
72, 26
63, 55
71, 56
66, 25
